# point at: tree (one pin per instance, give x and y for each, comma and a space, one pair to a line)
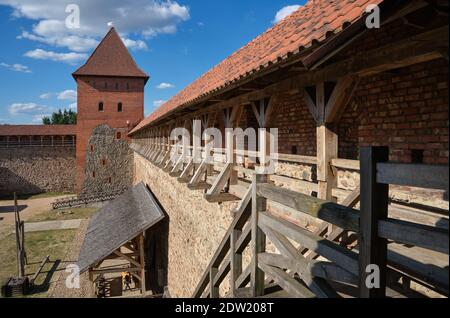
66, 117
46, 121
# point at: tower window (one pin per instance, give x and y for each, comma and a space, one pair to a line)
128, 85
109, 180
119, 135
92, 148
104, 162
119, 107
100, 106
117, 86
93, 174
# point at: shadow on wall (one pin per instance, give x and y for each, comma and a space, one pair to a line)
157, 253
11, 182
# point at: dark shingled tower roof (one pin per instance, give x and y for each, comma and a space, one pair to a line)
110, 58
118, 222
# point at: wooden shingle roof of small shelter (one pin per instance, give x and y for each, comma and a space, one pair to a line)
118, 222
312, 23
111, 58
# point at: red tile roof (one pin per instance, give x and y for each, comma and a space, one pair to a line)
37, 130
313, 21
111, 58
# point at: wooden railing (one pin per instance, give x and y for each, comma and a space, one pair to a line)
228, 257
253, 224
335, 223
376, 228
296, 268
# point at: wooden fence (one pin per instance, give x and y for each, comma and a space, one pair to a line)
340, 248
86, 199
305, 276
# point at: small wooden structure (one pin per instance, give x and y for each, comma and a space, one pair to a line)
117, 232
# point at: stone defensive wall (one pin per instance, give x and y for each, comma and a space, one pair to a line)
31, 170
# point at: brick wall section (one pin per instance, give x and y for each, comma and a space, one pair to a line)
33, 170
296, 126
91, 91
405, 110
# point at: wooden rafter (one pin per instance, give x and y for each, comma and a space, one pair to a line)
136, 260
340, 97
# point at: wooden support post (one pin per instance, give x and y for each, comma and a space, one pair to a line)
208, 120
264, 151
327, 109
258, 243
327, 150
213, 289
236, 261
142, 262
20, 238
231, 155
374, 207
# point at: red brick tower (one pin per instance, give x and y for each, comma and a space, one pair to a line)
110, 91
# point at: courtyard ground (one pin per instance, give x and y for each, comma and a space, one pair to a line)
61, 245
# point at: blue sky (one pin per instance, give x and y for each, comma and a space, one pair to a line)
173, 41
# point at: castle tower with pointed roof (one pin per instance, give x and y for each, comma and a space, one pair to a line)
110, 91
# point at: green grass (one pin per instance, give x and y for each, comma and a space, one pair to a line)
37, 245
54, 215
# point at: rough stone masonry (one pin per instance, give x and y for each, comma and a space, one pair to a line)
39, 169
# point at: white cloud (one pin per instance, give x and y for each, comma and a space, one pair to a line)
69, 58
46, 95
284, 12
72, 42
158, 103
139, 18
165, 86
27, 109
73, 106
135, 44
16, 67
38, 118
69, 94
